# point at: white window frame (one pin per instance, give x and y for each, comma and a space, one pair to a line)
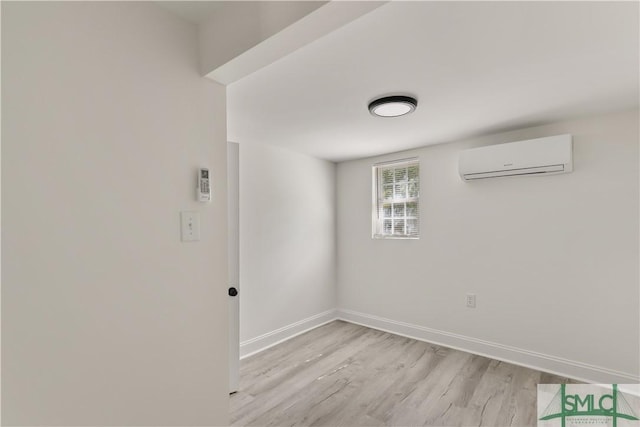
378, 199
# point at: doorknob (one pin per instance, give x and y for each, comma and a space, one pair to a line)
233, 292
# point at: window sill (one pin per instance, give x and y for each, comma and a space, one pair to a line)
387, 237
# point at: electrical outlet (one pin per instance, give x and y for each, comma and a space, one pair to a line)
471, 300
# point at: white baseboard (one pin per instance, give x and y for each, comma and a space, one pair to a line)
517, 356
263, 342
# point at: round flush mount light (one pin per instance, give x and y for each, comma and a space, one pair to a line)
393, 106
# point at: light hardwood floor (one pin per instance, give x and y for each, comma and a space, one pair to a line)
342, 374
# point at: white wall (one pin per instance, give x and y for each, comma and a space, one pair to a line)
107, 318
241, 25
553, 260
287, 242
247, 36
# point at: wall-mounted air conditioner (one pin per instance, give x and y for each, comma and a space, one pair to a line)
542, 156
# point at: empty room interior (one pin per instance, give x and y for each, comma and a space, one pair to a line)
338, 213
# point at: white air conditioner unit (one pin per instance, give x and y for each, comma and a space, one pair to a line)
542, 156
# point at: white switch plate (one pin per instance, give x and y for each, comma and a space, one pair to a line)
471, 300
190, 226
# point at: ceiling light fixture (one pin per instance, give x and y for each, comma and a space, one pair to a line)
393, 106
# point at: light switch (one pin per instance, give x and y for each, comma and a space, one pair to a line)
190, 226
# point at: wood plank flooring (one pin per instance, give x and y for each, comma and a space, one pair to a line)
342, 374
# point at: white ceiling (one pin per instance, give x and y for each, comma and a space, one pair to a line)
475, 67
194, 11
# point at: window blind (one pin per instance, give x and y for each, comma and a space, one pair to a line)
396, 201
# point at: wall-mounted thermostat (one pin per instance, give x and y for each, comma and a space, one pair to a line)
204, 185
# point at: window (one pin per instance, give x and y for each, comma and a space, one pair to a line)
396, 188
